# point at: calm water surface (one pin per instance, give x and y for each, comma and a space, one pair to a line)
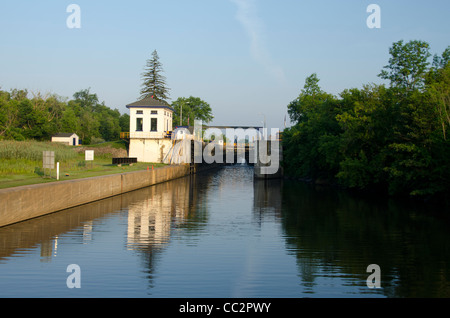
223, 234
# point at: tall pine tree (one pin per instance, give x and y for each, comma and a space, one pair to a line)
154, 83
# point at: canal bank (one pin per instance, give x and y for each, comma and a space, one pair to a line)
26, 202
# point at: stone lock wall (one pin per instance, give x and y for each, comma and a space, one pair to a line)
22, 203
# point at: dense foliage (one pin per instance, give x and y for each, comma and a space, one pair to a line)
191, 109
391, 138
38, 117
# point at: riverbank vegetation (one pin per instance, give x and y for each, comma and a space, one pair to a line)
35, 116
21, 162
25, 116
390, 138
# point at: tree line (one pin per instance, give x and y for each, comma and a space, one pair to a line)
35, 116
40, 116
391, 138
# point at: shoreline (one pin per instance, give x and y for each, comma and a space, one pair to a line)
30, 201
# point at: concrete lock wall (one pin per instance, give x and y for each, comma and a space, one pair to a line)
27, 202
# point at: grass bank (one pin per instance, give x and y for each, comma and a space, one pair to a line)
21, 162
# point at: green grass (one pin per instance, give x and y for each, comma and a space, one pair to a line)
32, 150
119, 144
21, 162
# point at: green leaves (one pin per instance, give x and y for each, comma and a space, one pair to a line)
386, 138
311, 149
41, 116
310, 97
438, 92
154, 83
190, 109
408, 65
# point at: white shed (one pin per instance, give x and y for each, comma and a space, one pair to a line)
70, 139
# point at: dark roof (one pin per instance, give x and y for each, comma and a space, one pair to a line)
64, 135
150, 102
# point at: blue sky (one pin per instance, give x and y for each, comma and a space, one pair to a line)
247, 58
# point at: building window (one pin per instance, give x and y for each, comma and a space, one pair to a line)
154, 112
140, 112
154, 124
139, 123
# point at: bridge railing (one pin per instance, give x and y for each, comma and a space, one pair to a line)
148, 135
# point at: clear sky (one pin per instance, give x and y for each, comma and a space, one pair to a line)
247, 58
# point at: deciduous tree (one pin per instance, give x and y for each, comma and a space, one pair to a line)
191, 108
408, 65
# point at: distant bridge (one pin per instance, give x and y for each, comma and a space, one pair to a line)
185, 151
234, 127
188, 148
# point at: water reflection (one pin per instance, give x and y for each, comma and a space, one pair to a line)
334, 234
45, 231
267, 197
330, 236
151, 212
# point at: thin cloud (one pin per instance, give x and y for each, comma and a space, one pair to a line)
246, 15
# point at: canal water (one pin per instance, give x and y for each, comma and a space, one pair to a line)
223, 234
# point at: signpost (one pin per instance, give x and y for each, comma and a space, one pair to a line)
48, 161
89, 156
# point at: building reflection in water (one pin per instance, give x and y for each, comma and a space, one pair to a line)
152, 211
267, 197
332, 235
150, 214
